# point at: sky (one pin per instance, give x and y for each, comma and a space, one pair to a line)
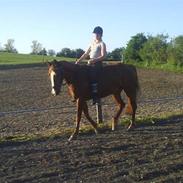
69, 23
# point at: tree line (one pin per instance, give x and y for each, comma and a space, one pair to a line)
38, 49
158, 49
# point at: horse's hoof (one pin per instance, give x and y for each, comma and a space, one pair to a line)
130, 127
113, 126
96, 132
72, 137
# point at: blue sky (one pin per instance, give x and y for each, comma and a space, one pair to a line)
69, 23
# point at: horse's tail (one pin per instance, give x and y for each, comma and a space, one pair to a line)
129, 109
137, 85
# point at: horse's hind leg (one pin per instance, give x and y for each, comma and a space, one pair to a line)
93, 123
133, 105
78, 119
128, 108
121, 105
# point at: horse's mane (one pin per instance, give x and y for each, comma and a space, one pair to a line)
72, 65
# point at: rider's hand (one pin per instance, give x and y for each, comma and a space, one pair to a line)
77, 62
91, 61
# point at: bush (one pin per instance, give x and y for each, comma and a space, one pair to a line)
175, 51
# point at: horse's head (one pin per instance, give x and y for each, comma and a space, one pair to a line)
55, 72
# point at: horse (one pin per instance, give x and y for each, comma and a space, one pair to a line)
112, 80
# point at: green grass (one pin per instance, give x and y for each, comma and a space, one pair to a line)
18, 59
164, 67
8, 59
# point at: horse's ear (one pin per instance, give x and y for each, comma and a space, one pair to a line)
48, 64
54, 62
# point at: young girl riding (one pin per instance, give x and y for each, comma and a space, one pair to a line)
97, 53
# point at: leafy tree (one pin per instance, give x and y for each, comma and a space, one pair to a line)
136, 43
51, 52
72, 54
36, 47
43, 52
155, 50
116, 54
65, 52
9, 46
175, 51
79, 52
109, 57
59, 54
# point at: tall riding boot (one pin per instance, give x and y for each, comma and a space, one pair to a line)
95, 93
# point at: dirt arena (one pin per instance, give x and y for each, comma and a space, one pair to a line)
153, 152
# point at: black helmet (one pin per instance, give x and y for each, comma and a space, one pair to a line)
98, 30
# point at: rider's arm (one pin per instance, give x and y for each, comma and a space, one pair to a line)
84, 56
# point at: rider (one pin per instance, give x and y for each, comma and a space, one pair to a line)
97, 53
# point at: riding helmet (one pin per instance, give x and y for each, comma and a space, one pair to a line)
98, 30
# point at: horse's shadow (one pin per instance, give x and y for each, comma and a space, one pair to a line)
161, 121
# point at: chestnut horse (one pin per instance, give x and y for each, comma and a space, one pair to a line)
111, 81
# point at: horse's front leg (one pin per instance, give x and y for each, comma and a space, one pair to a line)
78, 119
93, 123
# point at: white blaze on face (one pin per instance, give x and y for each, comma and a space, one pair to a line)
52, 74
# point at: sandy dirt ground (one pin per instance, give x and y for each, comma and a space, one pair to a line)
153, 152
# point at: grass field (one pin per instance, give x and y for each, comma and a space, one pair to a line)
164, 67
8, 59
17, 59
